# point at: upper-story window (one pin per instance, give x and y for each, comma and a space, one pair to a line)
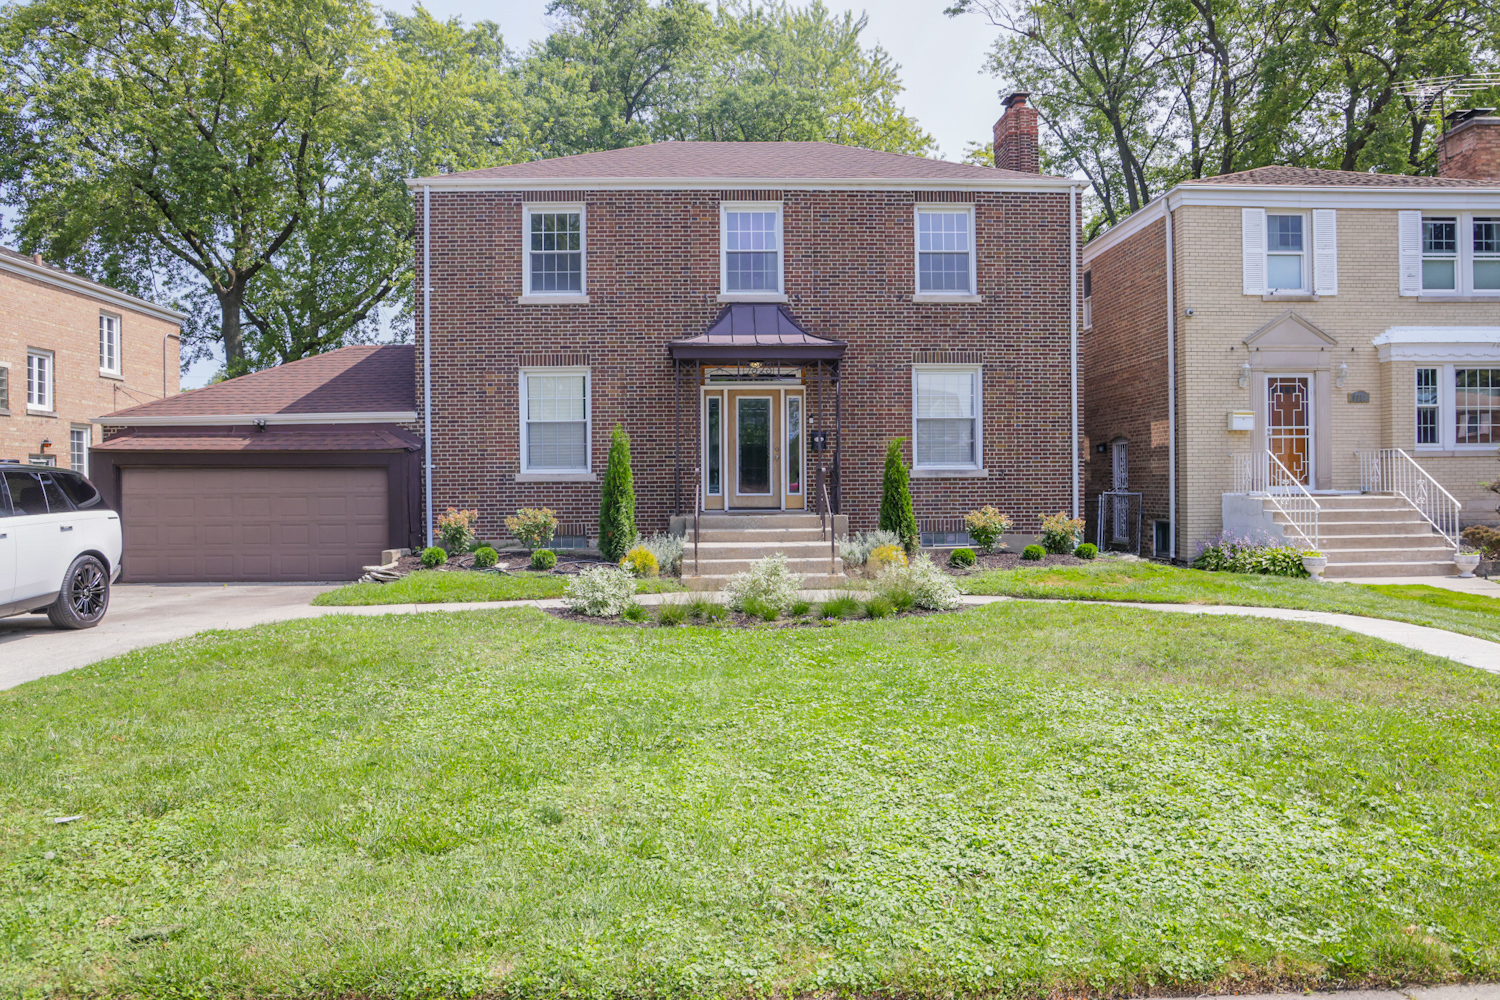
1286, 253
750, 249
109, 344
555, 247
39, 380
1088, 299
945, 251
1453, 253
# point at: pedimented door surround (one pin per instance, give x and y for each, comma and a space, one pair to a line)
1289, 347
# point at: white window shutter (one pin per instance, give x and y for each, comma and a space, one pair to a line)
1325, 252
1410, 241
1254, 241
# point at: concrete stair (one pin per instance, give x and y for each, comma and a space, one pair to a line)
732, 543
1377, 534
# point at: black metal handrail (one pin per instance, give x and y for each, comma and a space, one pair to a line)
833, 545
697, 506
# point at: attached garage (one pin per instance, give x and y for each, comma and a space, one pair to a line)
275, 492
269, 524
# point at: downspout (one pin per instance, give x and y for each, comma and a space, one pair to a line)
427, 356
1073, 326
1171, 383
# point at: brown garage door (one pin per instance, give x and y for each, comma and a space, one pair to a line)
207, 524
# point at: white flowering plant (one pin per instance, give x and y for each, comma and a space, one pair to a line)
601, 592
768, 583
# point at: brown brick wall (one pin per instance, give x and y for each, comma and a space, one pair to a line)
1471, 151
1125, 369
40, 315
653, 276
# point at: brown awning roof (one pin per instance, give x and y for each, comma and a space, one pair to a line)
756, 332
276, 437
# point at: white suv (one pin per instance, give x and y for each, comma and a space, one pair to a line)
59, 546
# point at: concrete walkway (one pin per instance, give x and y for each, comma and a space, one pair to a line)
142, 615
1471, 991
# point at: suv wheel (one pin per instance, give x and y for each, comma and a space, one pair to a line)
84, 597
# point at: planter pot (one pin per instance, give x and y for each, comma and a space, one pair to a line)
1315, 565
1466, 561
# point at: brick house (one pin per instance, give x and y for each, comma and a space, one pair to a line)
1323, 364
70, 350
762, 318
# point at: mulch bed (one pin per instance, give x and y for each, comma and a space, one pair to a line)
1012, 560
518, 559
734, 619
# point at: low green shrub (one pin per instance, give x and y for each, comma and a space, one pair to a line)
671, 613
634, 613
855, 549
711, 611
1033, 553
456, 528
799, 608
667, 549
962, 558
1255, 553
1061, 534
1087, 550
543, 559
433, 557
879, 607
842, 606
485, 557
886, 557
533, 527
759, 607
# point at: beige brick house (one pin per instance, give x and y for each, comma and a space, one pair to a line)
72, 349
1323, 365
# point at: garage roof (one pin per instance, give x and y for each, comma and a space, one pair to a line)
367, 383
346, 437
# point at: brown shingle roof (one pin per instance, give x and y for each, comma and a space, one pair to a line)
361, 379
791, 161
296, 437
1309, 177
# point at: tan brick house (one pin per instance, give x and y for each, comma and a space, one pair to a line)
72, 349
762, 318
1323, 364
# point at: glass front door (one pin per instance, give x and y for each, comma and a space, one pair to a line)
753, 430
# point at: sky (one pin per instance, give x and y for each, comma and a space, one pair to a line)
943, 60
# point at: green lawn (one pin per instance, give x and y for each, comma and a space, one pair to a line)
437, 587
1015, 800
1111, 580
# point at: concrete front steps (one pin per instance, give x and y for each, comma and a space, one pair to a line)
732, 543
1376, 534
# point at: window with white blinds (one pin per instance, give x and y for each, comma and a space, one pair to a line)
946, 417
555, 428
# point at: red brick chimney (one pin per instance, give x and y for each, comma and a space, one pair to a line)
1015, 136
1470, 149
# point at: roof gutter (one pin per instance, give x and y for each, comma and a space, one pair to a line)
456, 182
83, 286
229, 419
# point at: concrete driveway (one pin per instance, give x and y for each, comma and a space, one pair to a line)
144, 615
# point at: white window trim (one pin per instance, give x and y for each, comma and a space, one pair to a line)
87, 431
1463, 266
941, 208
528, 474
528, 297
786, 444
119, 339
919, 468
1306, 254
725, 295
51, 384
10, 387
1088, 300
723, 443
1447, 408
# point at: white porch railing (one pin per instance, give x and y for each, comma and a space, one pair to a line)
1392, 470
1262, 474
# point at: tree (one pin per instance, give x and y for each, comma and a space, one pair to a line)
617, 500
246, 157
896, 514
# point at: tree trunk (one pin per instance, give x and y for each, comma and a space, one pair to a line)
230, 301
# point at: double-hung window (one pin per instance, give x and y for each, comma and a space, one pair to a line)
1485, 270
1286, 253
4, 388
555, 425
750, 250
1088, 299
945, 251
1458, 407
78, 448
1439, 254
555, 247
39, 380
109, 344
946, 417
1456, 253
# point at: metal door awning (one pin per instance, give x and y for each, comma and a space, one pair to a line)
756, 332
